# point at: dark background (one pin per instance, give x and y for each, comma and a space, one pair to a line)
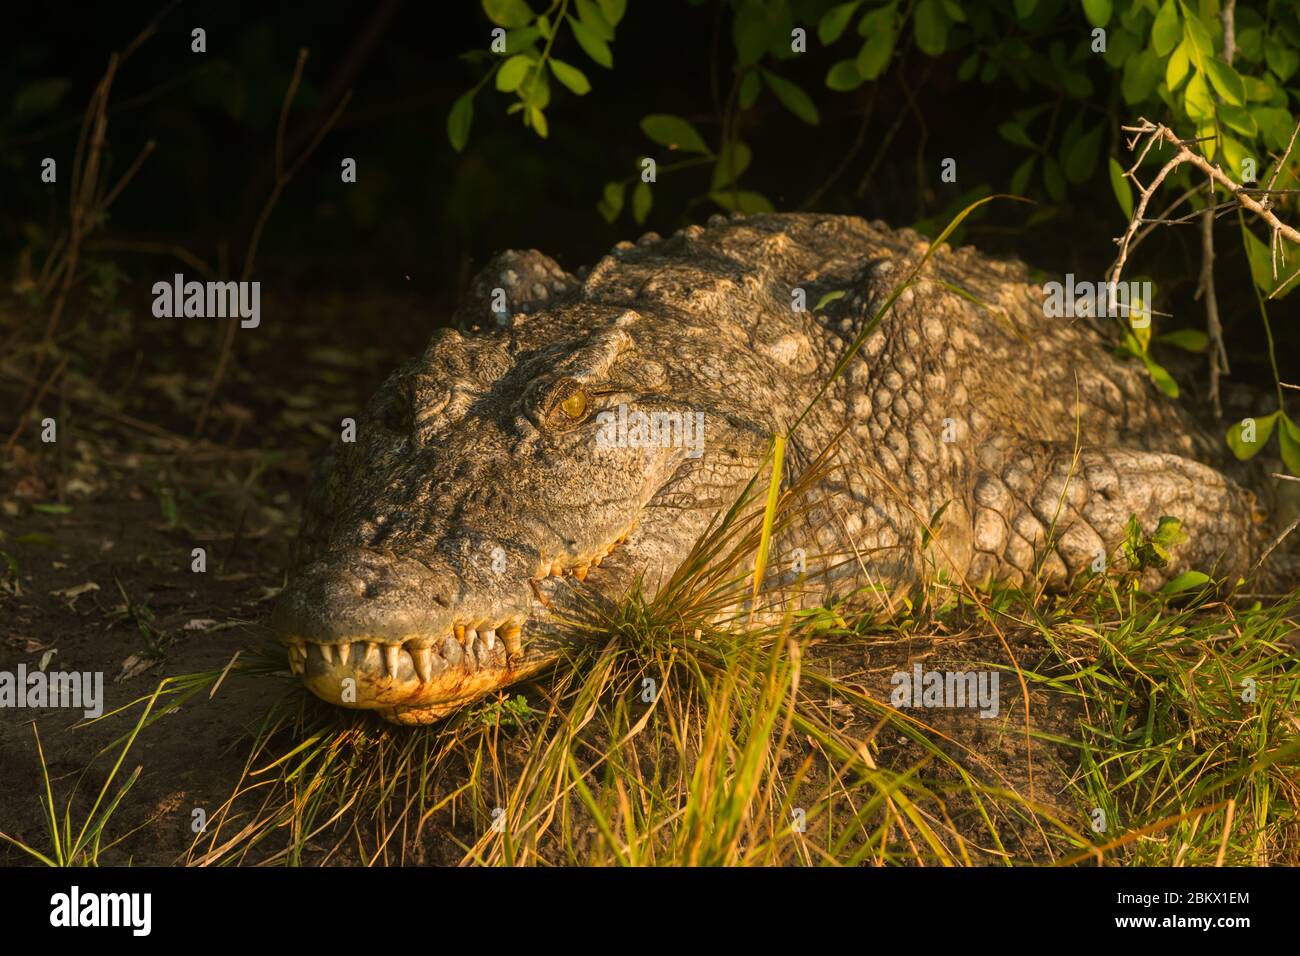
421, 217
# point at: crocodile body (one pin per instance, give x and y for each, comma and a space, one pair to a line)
492, 473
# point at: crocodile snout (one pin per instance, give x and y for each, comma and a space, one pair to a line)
376, 631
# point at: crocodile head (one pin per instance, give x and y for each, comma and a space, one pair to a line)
503, 475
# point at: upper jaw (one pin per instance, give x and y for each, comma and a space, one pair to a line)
421, 660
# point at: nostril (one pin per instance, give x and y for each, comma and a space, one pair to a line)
370, 590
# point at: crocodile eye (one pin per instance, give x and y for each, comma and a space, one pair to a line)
575, 406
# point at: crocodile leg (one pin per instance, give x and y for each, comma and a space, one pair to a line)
1044, 511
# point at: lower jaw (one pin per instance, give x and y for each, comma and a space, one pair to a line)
404, 699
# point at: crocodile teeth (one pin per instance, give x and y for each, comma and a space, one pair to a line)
460, 633
510, 634
451, 650
489, 638
580, 572
422, 658
470, 637
327, 652
392, 656
344, 650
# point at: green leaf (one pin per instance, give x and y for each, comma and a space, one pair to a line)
611, 202
1013, 132
1288, 437
34, 537
732, 162
1025, 8
1160, 375
827, 299
1197, 99
1053, 179
1226, 81
673, 132
1123, 190
874, 55
40, 97
1280, 58
750, 87
1141, 75
930, 24
1250, 44
1081, 160
508, 13
834, 21
843, 76
1190, 340
1261, 266
1233, 152
1186, 582
591, 44
1166, 30
55, 509
459, 121
1199, 37
1020, 178
1274, 124
742, 200
519, 40
570, 76
537, 119
751, 31
792, 97
1263, 431
613, 10
1098, 11
1177, 67
512, 73
642, 199
1258, 90
1238, 118
594, 20
1169, 534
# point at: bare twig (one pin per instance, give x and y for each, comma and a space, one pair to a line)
847, 159
1160, 134
283, 176
86, 206
1227, 16
1213, 327
195, 262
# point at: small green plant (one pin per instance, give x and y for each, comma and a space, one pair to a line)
507, 711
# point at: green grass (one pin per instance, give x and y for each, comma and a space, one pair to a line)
736, 754
687, 731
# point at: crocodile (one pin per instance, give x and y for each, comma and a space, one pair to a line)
576, 433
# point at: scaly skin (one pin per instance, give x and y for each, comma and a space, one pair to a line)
475, 493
